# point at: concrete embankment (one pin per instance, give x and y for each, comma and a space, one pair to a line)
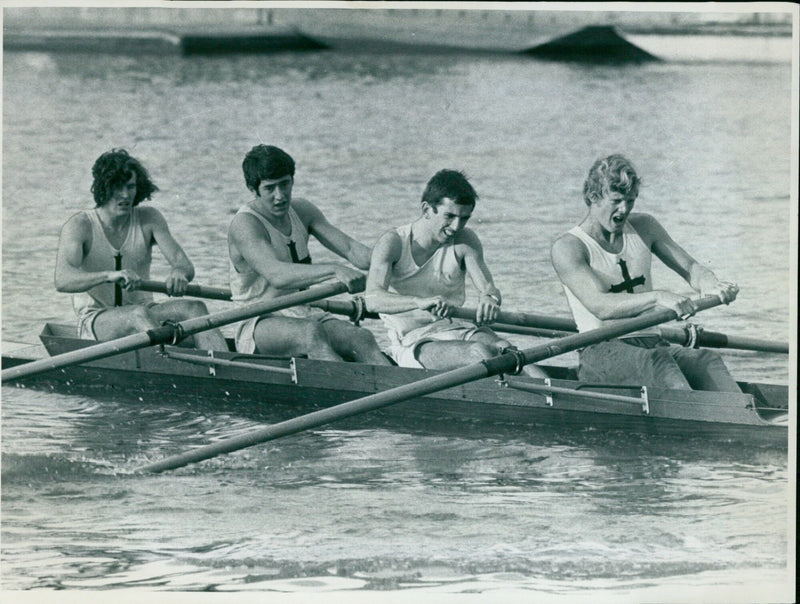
219, 30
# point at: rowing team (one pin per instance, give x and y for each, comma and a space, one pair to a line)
416, 275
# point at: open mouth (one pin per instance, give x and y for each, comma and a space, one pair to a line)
618, 220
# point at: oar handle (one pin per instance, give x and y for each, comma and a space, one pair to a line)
195, 291
505, 363
521, 318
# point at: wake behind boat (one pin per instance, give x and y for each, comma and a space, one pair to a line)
757, 416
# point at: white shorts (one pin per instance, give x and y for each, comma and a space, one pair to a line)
245, 331
404, 352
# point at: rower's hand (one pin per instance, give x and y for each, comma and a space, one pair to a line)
128, 279
684, 307
487, 310
176, 283
436, 305
724, 290
353, 279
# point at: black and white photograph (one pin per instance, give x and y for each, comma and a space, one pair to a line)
399, 302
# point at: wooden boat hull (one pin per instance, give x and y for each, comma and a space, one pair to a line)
756, 417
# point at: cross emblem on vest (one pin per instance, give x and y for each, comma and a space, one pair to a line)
293, 253
627, 284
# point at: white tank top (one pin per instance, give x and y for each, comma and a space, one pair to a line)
441, 275
249, 285
136, 255
625, 272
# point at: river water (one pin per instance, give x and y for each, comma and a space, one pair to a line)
428, 509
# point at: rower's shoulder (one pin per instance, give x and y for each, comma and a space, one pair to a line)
306, 211
567, 241
79, 224
568, 249
642, 220
647, 227
388, 246
149, 215
467, 236
246, 226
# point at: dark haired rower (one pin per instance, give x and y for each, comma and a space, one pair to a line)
104, 253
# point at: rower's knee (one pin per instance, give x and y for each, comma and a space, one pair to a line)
192, 308
141, 319
478, 351
363, 339
314, 336
665, 372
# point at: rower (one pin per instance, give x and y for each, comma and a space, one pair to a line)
604, 265
104, 253
269, 257
417, 277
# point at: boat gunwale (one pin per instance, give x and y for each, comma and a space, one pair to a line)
483, 393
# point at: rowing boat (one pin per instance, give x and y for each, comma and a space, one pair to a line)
757, 416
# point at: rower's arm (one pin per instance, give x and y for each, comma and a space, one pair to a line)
249, 239
182, 268
331, 237
171, 249
73, 243
377, 296
702, 279
489, 297
571, 261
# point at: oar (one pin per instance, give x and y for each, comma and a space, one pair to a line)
350, 309
545, 326
168, 333
685, 336
504, 363
195, 291
521, 323
714, 339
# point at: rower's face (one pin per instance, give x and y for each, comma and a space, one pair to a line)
612, 210
448, 218
276, 194
121, 201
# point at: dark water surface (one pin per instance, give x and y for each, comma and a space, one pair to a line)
439, 507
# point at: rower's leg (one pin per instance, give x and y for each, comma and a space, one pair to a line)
182, 309
452, 354
499, 345
289, 337
354, 343
616, 362
704, 369
121, 321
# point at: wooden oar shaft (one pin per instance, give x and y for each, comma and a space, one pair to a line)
504, 363
521, 318
714, 339
195, 291
164, 335
521, 323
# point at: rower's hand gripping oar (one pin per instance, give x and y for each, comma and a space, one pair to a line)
505, 363
523, 323
171, 333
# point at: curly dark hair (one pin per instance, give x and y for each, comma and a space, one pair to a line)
113, 169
